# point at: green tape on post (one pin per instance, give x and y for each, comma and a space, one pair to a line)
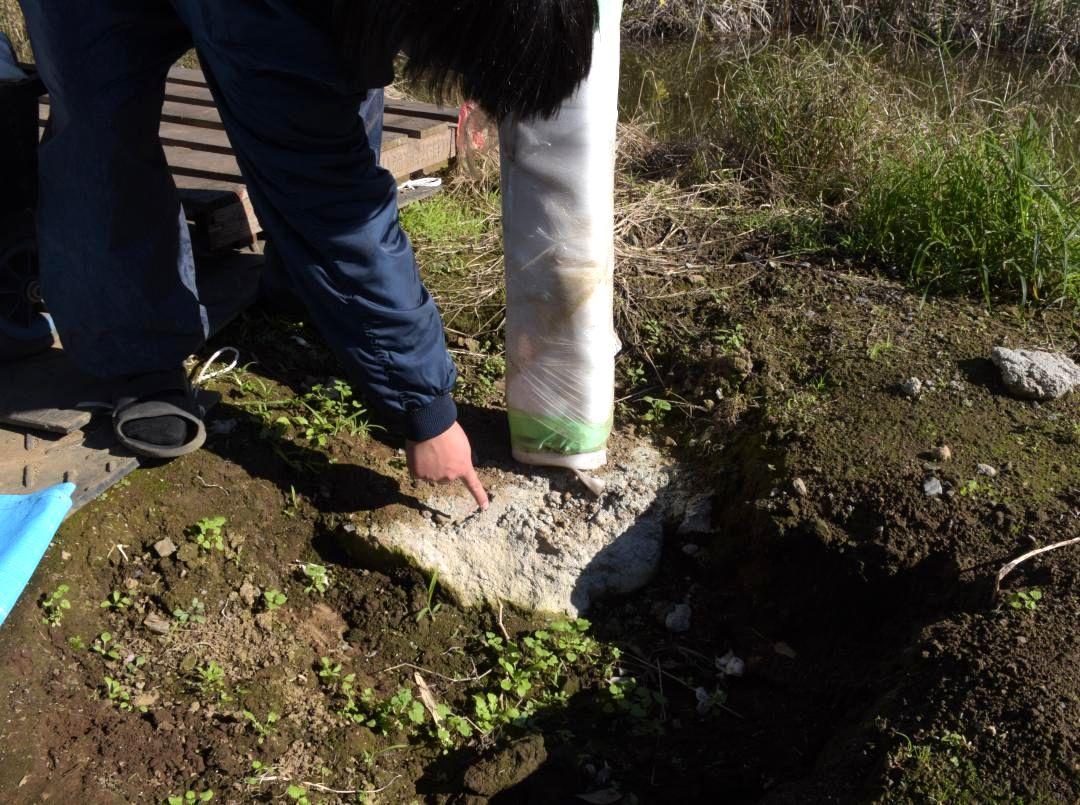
530, 433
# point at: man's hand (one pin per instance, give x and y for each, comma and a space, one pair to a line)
445, 459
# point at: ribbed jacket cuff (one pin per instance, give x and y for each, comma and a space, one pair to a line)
422, 424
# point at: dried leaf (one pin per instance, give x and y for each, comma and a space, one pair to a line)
427, 698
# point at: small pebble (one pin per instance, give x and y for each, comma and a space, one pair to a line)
943, 453
157, 624
248, 593
932, 487
784, 650
987, 470
730, 665
691, 550
678, 620
799, 485
912, 387
164, 548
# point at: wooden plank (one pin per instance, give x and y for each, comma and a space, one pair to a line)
221, 214
203, 164
400, 106
44, 392
424, 155
415, 127
187, 75
187, 93
195, 79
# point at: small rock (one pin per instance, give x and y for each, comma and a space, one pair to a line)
799, 485
784, 650
157, 624
691, 550
145, 700
265, 621
222, 427
911, 388
164, 547
248, 593
943, 453
730, 665
932, 487
188, 553
698, 516
678, 620
987, 470
65, 555
1036, 375
669, 442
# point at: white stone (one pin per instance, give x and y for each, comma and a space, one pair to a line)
933, 487
1036, 375
912, 387
509, 554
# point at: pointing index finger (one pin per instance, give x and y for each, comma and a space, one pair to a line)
476, 488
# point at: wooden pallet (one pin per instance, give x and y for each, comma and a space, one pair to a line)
417, 138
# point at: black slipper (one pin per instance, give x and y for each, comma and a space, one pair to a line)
158, 416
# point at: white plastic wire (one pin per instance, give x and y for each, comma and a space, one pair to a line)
205, 376
423, 182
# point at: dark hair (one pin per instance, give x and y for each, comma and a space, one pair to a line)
513, 57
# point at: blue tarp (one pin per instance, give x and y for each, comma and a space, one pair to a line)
27, 526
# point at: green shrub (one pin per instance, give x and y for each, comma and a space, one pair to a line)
984, 212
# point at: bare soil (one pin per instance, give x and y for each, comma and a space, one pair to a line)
878, 664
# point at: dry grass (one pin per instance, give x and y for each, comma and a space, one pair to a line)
11, 23
671, 231
1043, 26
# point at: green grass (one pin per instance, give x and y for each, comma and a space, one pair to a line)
957, 189
989, 213
1031, 26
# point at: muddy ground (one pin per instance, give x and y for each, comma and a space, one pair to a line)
879, 666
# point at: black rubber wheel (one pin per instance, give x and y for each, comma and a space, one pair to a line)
20, 284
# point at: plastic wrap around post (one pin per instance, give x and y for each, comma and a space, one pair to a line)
558, 180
